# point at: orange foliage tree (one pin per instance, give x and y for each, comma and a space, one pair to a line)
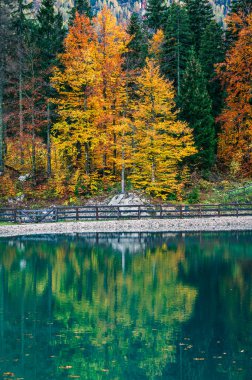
235, 140
92, 92
103, 133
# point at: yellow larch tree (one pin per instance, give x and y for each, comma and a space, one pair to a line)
77, 103
111, 47
162, 141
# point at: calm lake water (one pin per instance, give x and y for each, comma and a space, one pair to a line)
123, 307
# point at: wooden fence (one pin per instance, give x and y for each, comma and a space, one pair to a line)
87, 213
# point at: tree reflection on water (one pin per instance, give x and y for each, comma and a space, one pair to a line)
139, 306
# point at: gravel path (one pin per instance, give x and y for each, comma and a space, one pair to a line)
149, 225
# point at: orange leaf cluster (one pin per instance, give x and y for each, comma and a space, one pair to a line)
235, 140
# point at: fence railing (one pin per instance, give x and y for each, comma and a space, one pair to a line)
87, 213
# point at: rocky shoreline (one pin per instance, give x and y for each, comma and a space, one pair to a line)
241, 223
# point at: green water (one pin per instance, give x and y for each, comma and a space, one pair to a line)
150, 306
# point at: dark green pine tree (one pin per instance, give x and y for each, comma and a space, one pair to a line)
50, 36
200, 14
212, 51
22, 24
50, 33
155, 13
83, 7
177, 42
196, 109
138, 46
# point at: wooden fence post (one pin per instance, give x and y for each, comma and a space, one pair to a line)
15, 215
56, 214
77, 214
139, 212
181, 211
97, 212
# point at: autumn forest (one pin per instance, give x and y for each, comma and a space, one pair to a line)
93, 104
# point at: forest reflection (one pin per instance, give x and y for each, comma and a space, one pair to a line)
139, 306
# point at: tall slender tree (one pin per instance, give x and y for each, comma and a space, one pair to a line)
76, 136
138, 45
50, 36
155, 13
176, 45
22, 22
196, 109
113, 41
200, 14
5, 23
212, 51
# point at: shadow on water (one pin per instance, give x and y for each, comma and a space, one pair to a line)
126, 306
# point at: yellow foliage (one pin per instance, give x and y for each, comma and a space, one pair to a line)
101, 135
7, 187
156, 44
162, 142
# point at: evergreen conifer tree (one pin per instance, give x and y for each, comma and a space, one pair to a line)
177, 42
200, 14
196, 109
22, 22
51, 33
155, 13
138, 46
82, 7
212, 51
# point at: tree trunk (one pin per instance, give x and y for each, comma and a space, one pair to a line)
21, 111
33, 147
178, 54
123, 173
48, 132
87, 159
114, 154
153, 172
1, 127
